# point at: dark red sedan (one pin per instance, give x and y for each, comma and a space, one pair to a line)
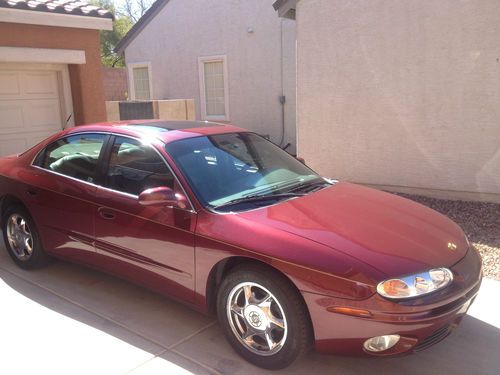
225, 221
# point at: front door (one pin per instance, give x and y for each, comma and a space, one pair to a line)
152, 245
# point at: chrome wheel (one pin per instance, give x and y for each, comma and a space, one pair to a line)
19, 237
256, 318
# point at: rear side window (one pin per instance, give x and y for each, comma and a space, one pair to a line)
134, 167
75, 156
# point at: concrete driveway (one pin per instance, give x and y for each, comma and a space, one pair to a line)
67, 319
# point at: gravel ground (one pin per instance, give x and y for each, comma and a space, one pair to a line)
479, 220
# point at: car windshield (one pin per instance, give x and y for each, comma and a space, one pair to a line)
234, 168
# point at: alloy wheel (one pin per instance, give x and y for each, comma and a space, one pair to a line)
20, 237
257, 318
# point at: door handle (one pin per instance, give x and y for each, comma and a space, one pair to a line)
105, 214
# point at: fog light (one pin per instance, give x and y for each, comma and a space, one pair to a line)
381, 343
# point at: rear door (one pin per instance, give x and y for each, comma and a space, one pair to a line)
61, 196
151, 245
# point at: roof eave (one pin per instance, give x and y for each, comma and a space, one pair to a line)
286, 8
33, 17
140, 25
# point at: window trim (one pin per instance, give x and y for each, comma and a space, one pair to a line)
130, 70
107, 158
40, 156
105, 167
203, 100
103, 164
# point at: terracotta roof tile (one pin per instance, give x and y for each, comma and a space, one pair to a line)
71, 7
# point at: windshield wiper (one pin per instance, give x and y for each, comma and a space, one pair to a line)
258, 198
309, 187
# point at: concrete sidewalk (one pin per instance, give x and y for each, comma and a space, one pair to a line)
67, 319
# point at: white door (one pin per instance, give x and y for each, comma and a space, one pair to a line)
30, 108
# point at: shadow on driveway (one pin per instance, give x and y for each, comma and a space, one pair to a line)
83, 321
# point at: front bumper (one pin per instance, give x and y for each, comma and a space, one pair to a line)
420, 322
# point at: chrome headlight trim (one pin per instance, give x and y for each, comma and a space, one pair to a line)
415, 285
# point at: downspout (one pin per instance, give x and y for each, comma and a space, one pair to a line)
282, 98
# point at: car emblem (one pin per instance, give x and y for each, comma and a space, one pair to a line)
255, 319
452, 246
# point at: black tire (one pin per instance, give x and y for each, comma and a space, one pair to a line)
38, 257
298, 329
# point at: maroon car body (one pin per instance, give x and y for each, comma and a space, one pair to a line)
335, 245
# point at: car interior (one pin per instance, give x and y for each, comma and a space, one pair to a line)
133, 169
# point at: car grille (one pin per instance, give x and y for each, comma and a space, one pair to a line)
434, 338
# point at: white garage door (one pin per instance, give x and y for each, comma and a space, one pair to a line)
30, 108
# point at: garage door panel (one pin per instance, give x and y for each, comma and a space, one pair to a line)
9, 84
20, 115
11, 116
43, 113
13, 146
16, 143
30, 108
39, 84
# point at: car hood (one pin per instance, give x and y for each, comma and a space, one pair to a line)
390, 233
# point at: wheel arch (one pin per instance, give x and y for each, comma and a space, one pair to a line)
224, 266
7, 200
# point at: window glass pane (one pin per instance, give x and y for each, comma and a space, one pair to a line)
134, 167
214, 88
75, 156
141, 83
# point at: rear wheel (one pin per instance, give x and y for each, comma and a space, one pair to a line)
21, 238
263, 317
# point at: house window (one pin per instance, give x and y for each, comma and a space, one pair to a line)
140, 78
213, 88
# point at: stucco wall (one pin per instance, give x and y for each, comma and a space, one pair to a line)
185, 30
86, 79
115, 83
401, 93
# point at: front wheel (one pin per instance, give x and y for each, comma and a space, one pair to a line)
263, 317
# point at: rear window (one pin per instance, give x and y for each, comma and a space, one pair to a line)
74, 156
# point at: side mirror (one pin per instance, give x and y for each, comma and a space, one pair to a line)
161, 196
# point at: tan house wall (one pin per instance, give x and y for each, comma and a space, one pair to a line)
86, 79
402, 93
258, 72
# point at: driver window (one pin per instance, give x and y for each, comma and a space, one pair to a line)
134, 167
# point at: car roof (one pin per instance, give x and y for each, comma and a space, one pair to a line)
167, 131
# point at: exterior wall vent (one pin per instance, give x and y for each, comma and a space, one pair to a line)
136, 110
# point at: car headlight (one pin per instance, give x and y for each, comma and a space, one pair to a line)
415, 285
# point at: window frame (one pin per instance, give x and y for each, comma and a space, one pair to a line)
103, 164
107, 159
104, 167
203, 100
37, 160
131, 81
189, 183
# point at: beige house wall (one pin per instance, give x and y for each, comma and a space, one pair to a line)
256, 44
404, 94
